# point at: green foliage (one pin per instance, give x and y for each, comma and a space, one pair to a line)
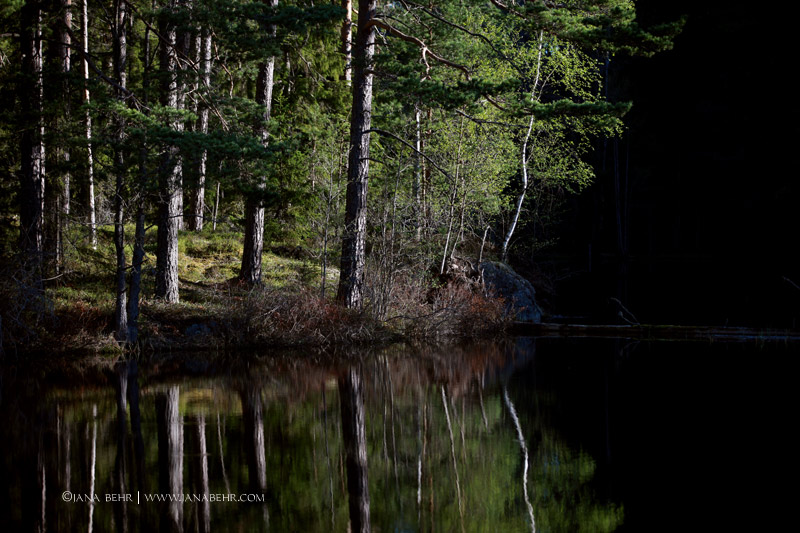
477, 76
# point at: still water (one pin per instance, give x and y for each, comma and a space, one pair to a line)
552, 434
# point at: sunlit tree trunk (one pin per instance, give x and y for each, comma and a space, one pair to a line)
417, 187
347, 39
524, 158
216, 207
88, 122
197, 200
351, 277
354, 435
250, 271
65, 40
170, 192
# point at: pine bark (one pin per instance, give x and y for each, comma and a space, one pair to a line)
250, 271
144, 177
197, 202
170, 192
58, 157
31, 128
351, 278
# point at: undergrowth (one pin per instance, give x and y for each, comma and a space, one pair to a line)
75, 312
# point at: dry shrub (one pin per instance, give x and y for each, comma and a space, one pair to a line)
457, 309
25, 312
298, 317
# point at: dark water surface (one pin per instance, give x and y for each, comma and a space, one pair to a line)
569, 435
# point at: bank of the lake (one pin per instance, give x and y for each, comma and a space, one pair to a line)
293, 306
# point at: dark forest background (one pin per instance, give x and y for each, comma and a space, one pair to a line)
707, 184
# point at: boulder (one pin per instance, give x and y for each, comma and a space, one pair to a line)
519, 294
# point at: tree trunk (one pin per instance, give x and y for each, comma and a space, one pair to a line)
417, 173
136, 276
524, 157
183, 40
351, 278
253, 418
201, 473
136, 425
170, 192
93, 466
88, 119
121, 463
170, 456
453, 457
347, 40
66, 67
197, 201
524, 450
354, 435
31, 127
216, 207
250, 271
57, 186
138, 245
120, 65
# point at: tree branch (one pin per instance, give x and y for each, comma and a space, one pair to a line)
465, 30
419, 42
396, 138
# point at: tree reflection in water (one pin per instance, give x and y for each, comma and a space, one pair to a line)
400, 440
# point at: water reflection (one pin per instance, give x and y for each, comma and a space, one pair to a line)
456, 439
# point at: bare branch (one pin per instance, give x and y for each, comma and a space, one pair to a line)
395, 137
465, 30
419, 42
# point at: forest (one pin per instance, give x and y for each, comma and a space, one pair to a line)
290, 172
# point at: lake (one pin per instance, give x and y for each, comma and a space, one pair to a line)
563, 435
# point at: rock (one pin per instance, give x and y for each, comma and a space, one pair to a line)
519, 294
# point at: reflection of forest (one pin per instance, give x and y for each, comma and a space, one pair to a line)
426, 441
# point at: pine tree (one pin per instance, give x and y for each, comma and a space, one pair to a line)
31, 126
